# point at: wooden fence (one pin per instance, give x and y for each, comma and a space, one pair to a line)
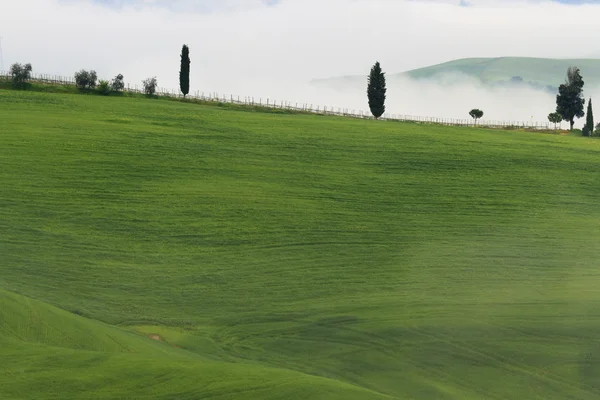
303, 107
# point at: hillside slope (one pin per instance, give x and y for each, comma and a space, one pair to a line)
540, 73
290, 256
47, 354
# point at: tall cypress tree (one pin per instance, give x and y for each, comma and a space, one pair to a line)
376, 91
588, 129
184, 73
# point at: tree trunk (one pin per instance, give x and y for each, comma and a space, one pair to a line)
572, 123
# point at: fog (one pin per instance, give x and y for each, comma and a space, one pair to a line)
273, 49
444, 96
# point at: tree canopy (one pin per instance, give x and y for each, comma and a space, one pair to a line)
570, 101
184, 72
476, 114
588, 129
555, 118
376, 91
20, 74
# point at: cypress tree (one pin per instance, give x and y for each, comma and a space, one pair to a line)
376, 91
588, 129
184, 73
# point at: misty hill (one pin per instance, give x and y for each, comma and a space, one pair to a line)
539, 73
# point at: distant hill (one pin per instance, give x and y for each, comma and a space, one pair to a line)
540, 73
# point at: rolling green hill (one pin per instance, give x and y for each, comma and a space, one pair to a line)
536, 72
48, 353
541, 71
160, 250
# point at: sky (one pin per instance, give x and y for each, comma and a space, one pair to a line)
273, 48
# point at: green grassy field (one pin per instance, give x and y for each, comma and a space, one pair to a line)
291, 256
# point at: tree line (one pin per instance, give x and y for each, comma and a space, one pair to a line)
88, 80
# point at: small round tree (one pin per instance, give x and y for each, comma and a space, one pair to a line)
555, 118
117, 84
86, 80
20, 74
150, 85
476, 114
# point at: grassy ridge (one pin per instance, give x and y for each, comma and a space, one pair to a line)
32, 321
48, 353
415, 262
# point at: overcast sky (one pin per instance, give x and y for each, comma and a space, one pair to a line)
273, 47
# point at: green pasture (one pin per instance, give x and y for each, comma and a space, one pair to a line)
155, 249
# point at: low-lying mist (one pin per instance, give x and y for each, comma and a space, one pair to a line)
271, 49
445, 96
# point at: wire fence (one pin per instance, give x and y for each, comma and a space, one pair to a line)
300, 107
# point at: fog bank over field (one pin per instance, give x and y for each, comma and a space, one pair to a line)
445, 96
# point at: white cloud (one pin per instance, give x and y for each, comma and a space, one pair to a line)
249, 47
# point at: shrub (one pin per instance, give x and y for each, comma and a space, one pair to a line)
150, 86
86, 79
585, 131
20, 74
118, 84
104, 87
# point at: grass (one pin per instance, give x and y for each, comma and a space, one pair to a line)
290, 256
48, 353
44, 87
